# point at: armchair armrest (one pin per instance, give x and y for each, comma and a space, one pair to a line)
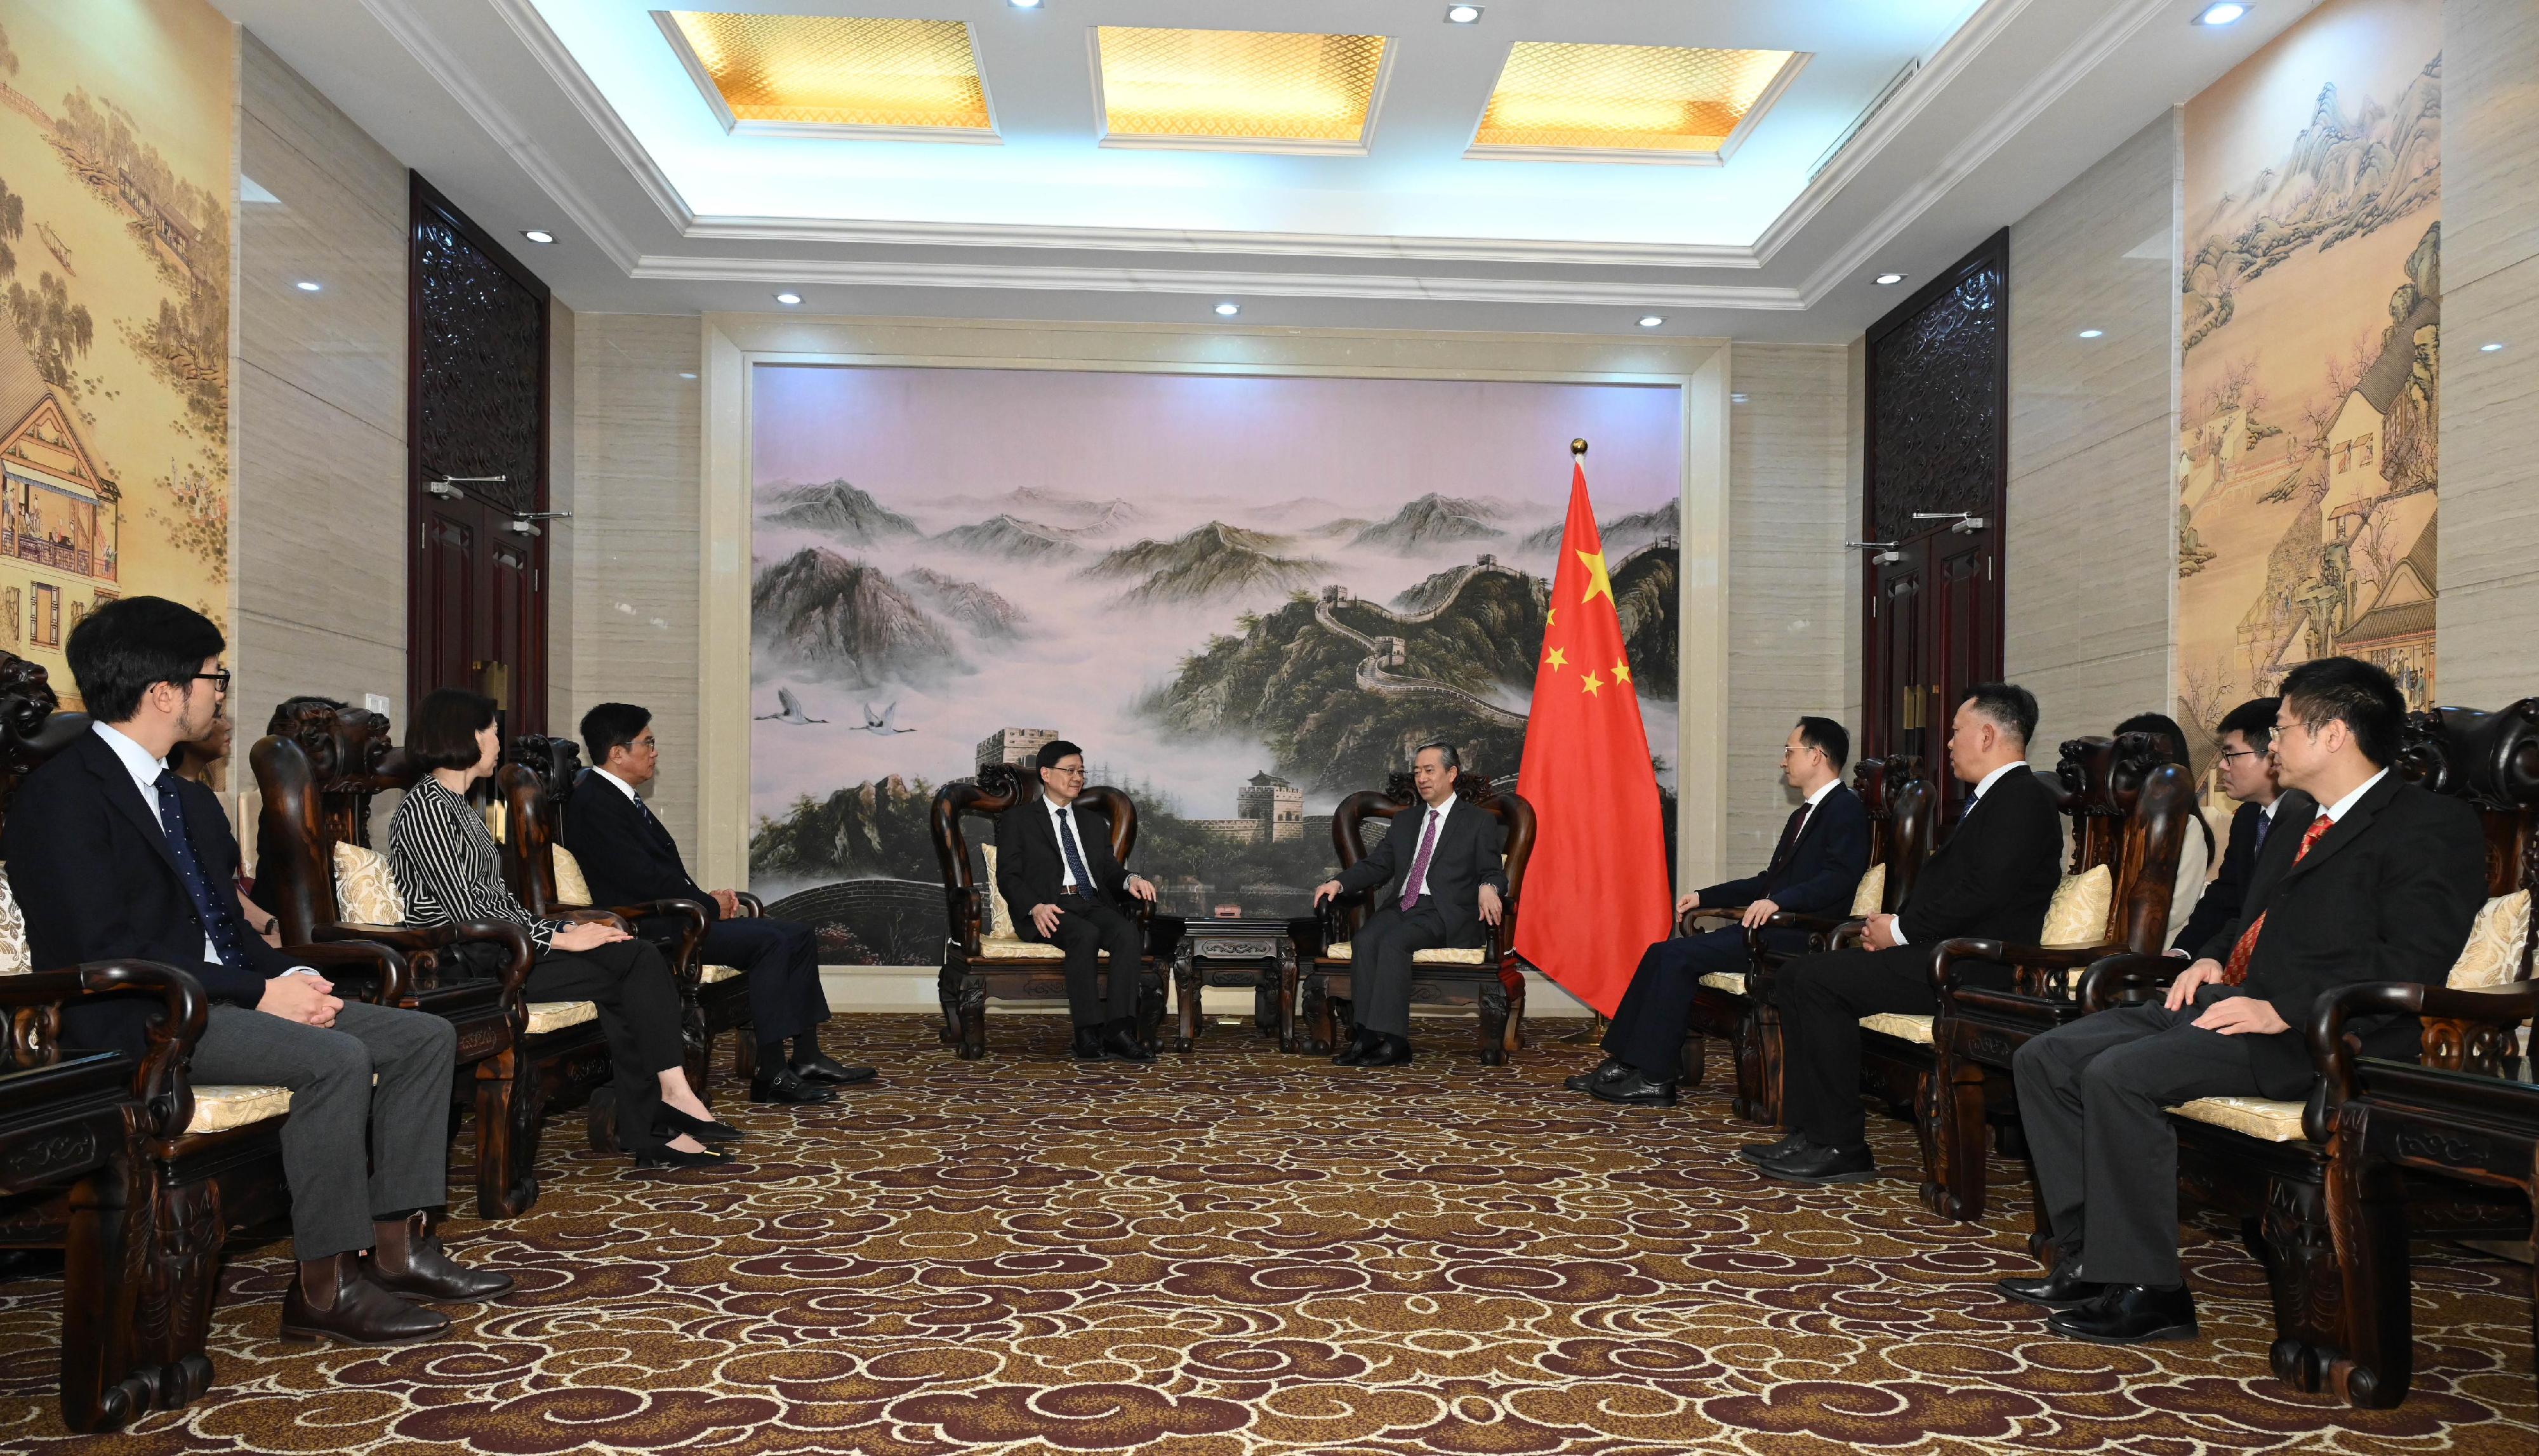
361, 957
692, 923
411, 940
159, 1083
1683, 922
1950, 954
2505, 1008
750, 905
2128, 973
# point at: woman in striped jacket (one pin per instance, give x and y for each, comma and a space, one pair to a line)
448, 870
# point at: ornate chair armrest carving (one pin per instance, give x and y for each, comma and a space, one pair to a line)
692, 923
750, 905
2117, 979
33, 1003
410, 941
2498, 1011
2042, 971
1683, 922
385, 969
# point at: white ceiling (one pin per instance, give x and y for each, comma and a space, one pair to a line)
575, 116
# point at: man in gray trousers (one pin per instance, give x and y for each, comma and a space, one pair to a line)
1442, 881
111, 856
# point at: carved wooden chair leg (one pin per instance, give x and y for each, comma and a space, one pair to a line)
505, 1185
1150, 1010
744, 1051
1285, 991
1950, 1123
1692, 1062
947, 993
184, 1275
2367, 1215
1492, 1033
1316, 1015
2308, 1286
1187, 994
599, 1122
1746, 1045
1512, 980
1264, 1005
1767, 1039
105, 1387
973, 1016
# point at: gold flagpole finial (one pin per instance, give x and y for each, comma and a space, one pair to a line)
1578, 446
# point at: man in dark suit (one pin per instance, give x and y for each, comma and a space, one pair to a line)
2379, 884
1060, 879
628, 857
1442, 881
1814, 868
2247, 766
110, 856
1994, 878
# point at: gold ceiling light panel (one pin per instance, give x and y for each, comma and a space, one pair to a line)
1562, 103
848, 76
1239, 91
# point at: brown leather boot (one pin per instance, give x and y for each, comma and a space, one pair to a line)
406, 1258
330, 1300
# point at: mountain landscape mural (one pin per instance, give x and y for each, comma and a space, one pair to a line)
960, 552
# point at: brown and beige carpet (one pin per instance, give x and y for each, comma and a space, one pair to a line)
1237, 1253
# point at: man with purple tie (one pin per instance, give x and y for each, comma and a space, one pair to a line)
1442, 881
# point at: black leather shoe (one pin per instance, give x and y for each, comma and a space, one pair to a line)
1362, 1044
1637, 1088
670, 1121
782, 1086
1817, 1166
1611, 1069
1088, 1044
336, 1299
817, 1068
671, 1157
2129, 1315
1121, 1044
1766, 1153
406, 1258
1390, 1051
2064, 1289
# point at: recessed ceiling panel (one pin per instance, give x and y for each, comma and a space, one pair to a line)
1238, 90
839, 75
1560, 102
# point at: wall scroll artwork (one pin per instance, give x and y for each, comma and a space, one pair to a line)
2311, 375
1243, 596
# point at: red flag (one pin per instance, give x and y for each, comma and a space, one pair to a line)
1596, 891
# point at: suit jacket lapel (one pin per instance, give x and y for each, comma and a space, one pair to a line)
125, 795
2345, 830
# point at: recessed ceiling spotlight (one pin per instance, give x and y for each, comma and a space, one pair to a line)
1463, 15
1888, 279
538, 234
305, 285
2494, 348
789, 300
2222, 14
1737, 399
2094, 333
1651, 320
1024, 4
1228, 311
683, 374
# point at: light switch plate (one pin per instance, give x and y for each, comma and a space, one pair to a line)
375, 702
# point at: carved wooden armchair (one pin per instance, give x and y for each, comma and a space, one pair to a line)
312, 835
537, 786
1488, 978
2269, 1162
2132, 817
142, 1230
982, 955
1736, 1006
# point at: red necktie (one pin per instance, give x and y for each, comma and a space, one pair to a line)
2236, 971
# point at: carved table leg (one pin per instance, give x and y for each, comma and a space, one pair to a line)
1187, 993
2366, 1216
1264, 1004
1150, 1010
1285, 971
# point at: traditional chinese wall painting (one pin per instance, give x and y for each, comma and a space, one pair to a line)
116, 159
2312, 366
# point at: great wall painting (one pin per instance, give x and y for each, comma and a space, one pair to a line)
1245, 596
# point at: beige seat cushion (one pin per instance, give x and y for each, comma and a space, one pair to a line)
712, 974
1732, 982
365, 890
2493, 955
15, 958
216, 1109
1916, 1029
2078, 915
1448, 955
1000, 916
556, 1016
571, 888
1870, 897
2261, 1118
2194, 872
1015, 948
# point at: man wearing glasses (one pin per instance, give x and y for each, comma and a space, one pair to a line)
1056, 871
2247, 762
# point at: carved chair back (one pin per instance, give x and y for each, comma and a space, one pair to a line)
32, 728
349, 753
1399, 796
1903, 819
2489, 761
996, 788
533, 787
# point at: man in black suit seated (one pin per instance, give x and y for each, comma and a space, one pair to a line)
1815, 870
111, 854
1442, 881
1064, 886
1994, 879
628, 858
2247, 764
2381, 884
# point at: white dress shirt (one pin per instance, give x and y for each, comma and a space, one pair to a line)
1982, 787
2336, 810
622, 786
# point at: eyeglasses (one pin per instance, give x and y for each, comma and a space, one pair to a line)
2243, 753
219, 680
1068, 773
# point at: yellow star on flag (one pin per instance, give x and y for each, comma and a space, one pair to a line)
1550, 616
1558, 657
1598, 582
1622, 671
1591, 684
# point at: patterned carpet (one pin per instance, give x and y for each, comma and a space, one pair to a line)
1240, 1253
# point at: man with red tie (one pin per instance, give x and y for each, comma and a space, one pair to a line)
1442, 879
2366, 878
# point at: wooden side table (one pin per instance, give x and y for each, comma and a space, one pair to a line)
2407, 1119
1239, 953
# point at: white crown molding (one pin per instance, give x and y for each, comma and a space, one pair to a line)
862, 274
1267, 245
401, 22
552, 54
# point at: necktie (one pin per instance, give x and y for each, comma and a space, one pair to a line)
2236, 970
2265, 822
1790, 833
659, 834
1074, 857
1419, 863
220, 922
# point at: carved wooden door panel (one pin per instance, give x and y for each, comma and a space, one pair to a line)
477, 417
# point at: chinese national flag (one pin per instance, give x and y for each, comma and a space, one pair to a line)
1597, 890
